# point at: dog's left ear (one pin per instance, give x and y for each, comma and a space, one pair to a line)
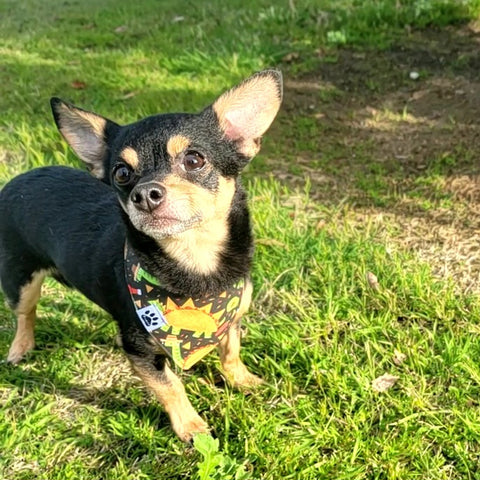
87, 133
246, 111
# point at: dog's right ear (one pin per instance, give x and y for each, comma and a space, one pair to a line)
87, 133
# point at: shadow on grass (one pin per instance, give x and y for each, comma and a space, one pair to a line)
363, 116
88, 353
74, 338
392, 134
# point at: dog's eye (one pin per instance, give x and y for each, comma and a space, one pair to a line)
193, 161
122, 174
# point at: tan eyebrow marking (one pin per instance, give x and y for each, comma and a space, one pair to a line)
130, 156
177, 144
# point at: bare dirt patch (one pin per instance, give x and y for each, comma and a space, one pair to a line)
399, 149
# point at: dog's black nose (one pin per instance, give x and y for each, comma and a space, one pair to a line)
147, 196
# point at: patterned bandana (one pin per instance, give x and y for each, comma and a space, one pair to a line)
186, 328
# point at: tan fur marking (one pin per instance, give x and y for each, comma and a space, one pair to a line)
24, 340
170, 392
246, 300
234, 369
177, 144
199, 248
130, 156
98, 123
249, 148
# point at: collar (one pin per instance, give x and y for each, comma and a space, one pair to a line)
186, 328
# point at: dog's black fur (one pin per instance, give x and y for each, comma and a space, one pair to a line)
63, 222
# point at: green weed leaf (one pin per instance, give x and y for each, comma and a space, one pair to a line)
216, 465
206, 444
208, 447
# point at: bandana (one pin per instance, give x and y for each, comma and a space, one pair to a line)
186, 328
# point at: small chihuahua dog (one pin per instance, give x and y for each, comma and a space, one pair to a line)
163, 243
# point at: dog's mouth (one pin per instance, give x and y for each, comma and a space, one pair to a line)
167, 223
161, 226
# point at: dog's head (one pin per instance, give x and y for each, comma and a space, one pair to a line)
176, 172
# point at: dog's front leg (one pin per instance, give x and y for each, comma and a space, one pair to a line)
233, 368
170, 392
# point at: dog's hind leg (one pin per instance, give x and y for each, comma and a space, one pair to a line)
233, 368
25, 309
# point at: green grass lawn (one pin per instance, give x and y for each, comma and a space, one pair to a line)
320, 330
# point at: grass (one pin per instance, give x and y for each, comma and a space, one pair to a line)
319, 332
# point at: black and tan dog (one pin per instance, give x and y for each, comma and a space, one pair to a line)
163, 244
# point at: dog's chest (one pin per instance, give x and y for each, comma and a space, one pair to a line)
186, 328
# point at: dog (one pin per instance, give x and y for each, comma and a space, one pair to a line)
163, 242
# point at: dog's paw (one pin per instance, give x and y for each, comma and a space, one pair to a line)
248, 380
18, 350
241, 378
186, 429
253, 380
